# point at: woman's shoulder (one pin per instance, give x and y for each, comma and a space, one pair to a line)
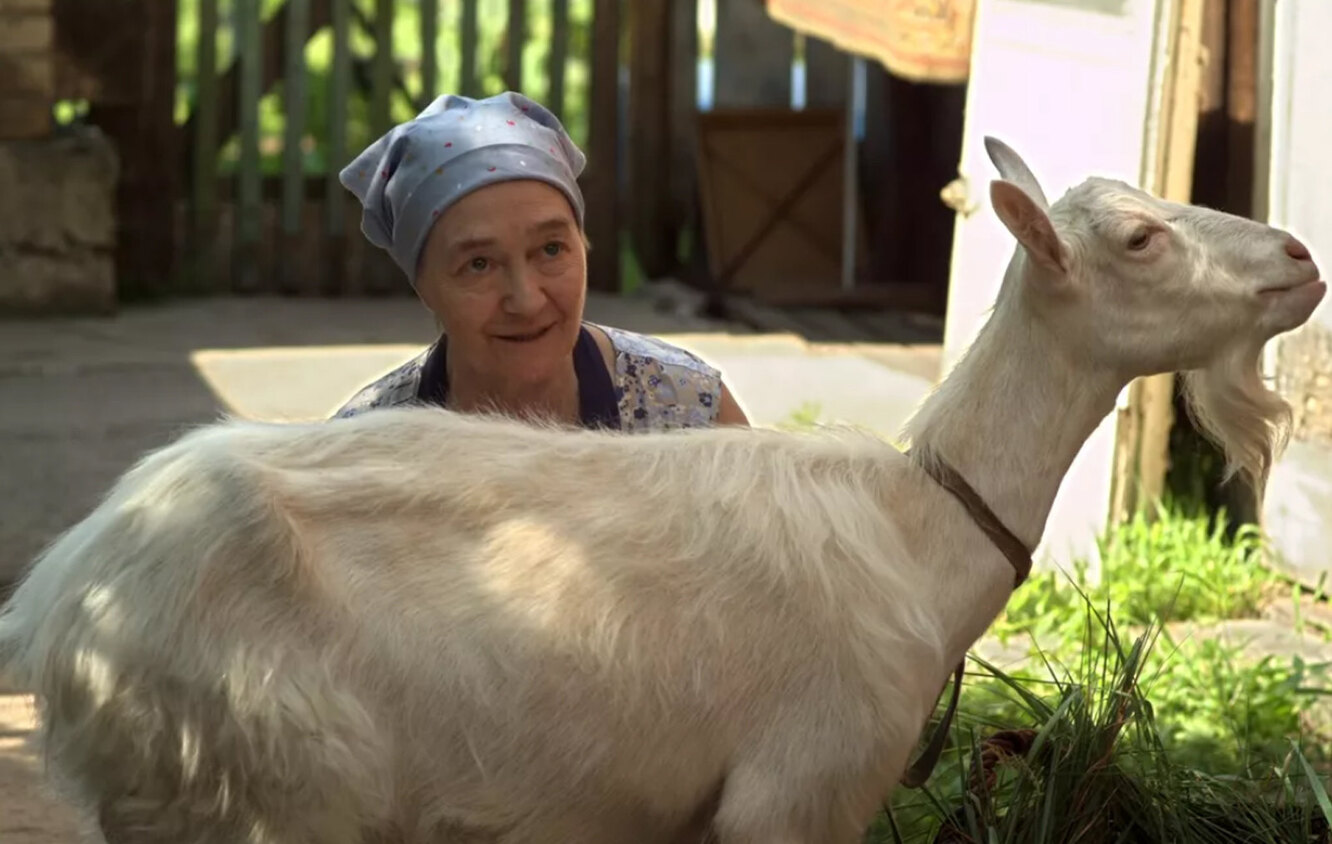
655, 349
660, 385
399, 386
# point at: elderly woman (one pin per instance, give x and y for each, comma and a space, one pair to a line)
477, 201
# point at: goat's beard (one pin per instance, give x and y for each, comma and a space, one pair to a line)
1231, 405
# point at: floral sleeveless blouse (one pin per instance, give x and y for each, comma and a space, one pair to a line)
655, 386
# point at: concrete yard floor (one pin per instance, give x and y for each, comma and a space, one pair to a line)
30, 813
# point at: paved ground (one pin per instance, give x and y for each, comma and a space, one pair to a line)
29, 813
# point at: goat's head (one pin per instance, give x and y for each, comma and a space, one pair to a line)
1137, 285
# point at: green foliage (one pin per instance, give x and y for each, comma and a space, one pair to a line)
1223, 712
1169, 568
1102, 767
407, 55
1171, 738
803, 418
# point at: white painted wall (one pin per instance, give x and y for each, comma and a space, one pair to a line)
1298, 508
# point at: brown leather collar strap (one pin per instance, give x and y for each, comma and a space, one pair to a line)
919, 772
1018, 555
1014, 549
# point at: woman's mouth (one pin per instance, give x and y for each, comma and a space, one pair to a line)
526, 337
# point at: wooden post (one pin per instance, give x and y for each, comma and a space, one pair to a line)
376, 275
603, 150
1241, 99
1227, 133
467, 36
293, 155
1142, 453
515, 38
825, 74
429, 51
683, 129
335, 220
753, 56
249, 204
653, 234
203, 179
850, 173
559, 54
381, 89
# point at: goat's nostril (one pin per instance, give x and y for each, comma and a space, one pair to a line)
1297, 250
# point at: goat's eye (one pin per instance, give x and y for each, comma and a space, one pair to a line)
1140, 239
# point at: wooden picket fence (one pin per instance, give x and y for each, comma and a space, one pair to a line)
273, 97
254, 220
278, 95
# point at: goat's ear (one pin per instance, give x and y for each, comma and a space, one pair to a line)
1029, 223
1012, 168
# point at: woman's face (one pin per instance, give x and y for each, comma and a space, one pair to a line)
505, 271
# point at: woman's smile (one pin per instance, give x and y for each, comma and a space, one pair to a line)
525, 336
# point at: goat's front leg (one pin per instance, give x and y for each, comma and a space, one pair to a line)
764, 804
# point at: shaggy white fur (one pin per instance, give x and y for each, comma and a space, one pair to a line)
418, 626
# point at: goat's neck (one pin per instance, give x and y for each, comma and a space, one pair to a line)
1012, 416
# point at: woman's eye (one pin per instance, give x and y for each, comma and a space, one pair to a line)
553, 249
478, 265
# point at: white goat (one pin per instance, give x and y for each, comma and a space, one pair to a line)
418, 626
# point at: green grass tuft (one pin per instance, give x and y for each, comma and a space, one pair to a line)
1115, 728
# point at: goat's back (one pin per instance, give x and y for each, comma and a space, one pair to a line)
447, 622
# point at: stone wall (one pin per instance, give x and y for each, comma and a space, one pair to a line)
27, 68
1305, 378
57, 186
58, 223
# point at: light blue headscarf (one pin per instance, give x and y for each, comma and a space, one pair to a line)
410, 176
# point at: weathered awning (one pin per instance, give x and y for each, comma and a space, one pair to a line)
920, 40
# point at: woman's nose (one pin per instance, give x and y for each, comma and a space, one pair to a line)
525, 296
